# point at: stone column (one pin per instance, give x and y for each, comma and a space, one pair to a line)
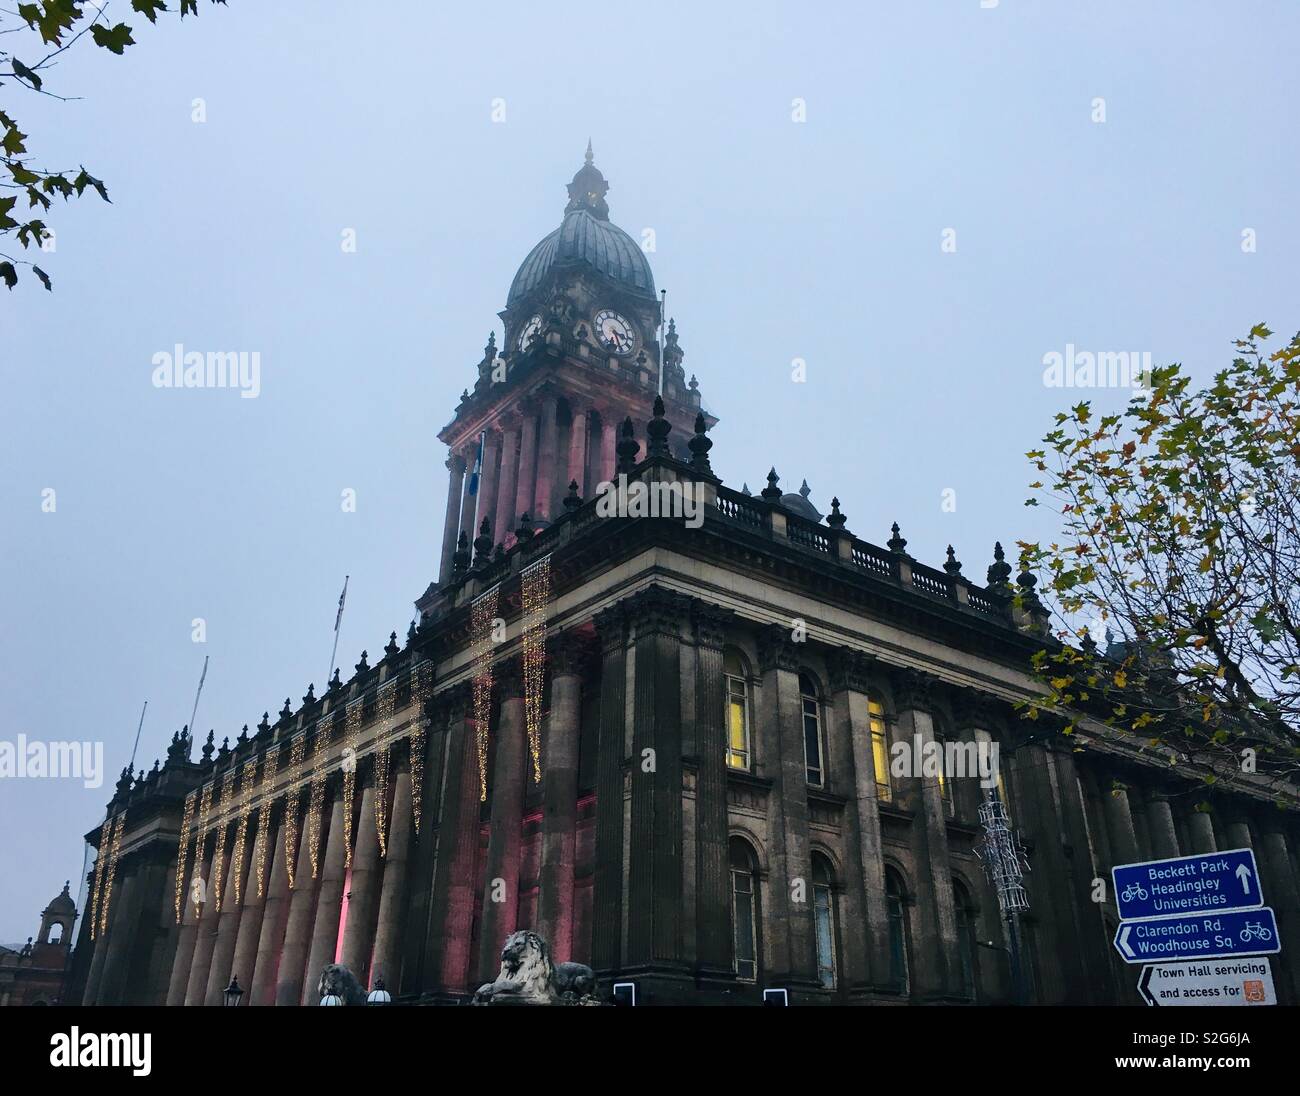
468, 501
1160, 819
654, 889
867, 962
270, 936
608, 443
1200, 832
122, 923
578, 450
418, 930
386, 961
1237, 833
1119, 825
505, 518
937, 956
98, 955
297, 929
451, 915
544, 495
714, 941
329, 902
223, 951
210, 924
190, 913
560, 799
780, 756
487, 487
451, 526
501, 870
527, 477
363, 893
250, 919
607, 904
1279, 887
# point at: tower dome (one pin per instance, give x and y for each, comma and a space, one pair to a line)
586, 237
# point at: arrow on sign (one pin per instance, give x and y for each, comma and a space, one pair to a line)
1123, 942
1243, 876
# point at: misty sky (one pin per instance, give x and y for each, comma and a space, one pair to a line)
775, 241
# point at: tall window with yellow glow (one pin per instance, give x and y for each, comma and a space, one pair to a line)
880, 750
739, 753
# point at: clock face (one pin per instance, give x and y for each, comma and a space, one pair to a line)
614, 332
531, 328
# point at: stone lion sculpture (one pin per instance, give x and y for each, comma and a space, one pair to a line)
528, 977
337, 980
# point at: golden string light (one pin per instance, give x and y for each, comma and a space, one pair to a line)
297, 752
264, 815
106, 898
200, 845
182, 852
219, 852
482, 615
419, 727
352, 726
241, 833
317, 792
101, 864
385, 705
535, 584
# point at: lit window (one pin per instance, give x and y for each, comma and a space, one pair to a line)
744, 902
945, 788
880, 750
738, 750
824, 921
812, 730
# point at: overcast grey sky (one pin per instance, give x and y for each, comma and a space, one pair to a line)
776, 240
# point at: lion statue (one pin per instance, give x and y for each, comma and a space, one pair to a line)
528, 977
338, 981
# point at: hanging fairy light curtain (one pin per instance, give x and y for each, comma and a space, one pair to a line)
419, 728
297, 754
219, 853
101, 865
352, 725
264, 816
182, 853
106, 898
384, 706
201, 844
241, 833
536, 588
317, 792
482, 613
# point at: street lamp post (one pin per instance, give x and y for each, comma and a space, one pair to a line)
233, 994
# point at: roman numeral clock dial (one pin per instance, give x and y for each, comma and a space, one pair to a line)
614, 332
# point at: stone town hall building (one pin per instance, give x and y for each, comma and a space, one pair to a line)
649, 768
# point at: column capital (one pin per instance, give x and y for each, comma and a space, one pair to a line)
611, 627
914, 690
570, 653
978, 710
508, 676
451, 703
710, 623
776, 650
656, 609
455, 463
850, 669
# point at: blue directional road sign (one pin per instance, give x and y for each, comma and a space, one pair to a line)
1216, 881
1205, 936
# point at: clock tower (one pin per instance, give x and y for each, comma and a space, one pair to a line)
582, 353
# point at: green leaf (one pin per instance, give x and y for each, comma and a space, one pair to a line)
8, 274
45, 278
148, 8
13, 142
114, 39
6, 204
24, 73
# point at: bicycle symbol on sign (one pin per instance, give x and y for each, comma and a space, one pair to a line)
1255, 930
1134, 890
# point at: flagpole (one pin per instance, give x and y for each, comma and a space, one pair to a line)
337, 621
138, 728
195, 710
663, 319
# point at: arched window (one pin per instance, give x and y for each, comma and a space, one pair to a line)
739, 753
880, 749
810, 709
56, 932
896, 911
744, 908
823, 887
967, 916
945, 785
